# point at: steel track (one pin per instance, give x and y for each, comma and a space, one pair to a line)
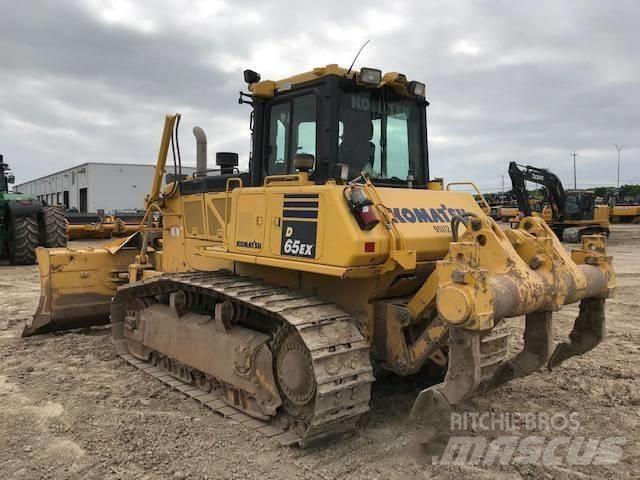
340, 355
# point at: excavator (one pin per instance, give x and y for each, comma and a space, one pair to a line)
273, 295
571, 214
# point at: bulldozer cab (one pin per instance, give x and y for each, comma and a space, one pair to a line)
579, 205
344, 122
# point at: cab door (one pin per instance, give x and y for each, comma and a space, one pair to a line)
293, 129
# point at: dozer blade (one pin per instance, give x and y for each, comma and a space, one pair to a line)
76, 286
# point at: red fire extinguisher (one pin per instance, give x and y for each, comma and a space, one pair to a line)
361, 207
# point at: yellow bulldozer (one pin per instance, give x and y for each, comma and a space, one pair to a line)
624, 212
271, 295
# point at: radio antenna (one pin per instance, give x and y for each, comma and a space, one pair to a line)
356, 57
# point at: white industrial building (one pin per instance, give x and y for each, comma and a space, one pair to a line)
92, 187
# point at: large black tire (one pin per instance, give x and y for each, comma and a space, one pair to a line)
23, 240
53, 228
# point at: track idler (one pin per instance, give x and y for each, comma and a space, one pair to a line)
534, 278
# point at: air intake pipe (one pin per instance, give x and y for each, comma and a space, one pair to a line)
201, 151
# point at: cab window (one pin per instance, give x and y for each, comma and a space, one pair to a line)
304, 124
278, 139
397, 145
572, 205
292, 130
380, 135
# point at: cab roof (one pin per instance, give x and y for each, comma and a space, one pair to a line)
270, 88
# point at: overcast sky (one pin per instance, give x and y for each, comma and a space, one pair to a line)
507, 80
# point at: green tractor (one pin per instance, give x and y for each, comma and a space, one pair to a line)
26, 223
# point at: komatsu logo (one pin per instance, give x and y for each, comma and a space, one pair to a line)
365, 103
249, 244
426, 215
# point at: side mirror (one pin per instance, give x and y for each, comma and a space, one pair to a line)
251, 77
11, 178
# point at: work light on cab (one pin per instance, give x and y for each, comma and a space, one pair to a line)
369, 76
416, 88
251, 77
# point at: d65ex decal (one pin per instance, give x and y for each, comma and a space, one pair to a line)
298, 239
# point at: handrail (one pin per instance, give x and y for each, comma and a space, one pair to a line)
487, 208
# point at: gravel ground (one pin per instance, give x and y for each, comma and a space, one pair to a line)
70, 408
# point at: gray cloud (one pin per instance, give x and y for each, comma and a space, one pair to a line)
525, 81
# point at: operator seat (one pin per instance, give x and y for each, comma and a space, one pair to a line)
356, 140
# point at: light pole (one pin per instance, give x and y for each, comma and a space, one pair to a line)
619, 148
575, 182
502, 195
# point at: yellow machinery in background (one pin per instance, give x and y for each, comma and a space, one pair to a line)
505, 213
571, 214
269, 295
597, 222
625, 213
623, 207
